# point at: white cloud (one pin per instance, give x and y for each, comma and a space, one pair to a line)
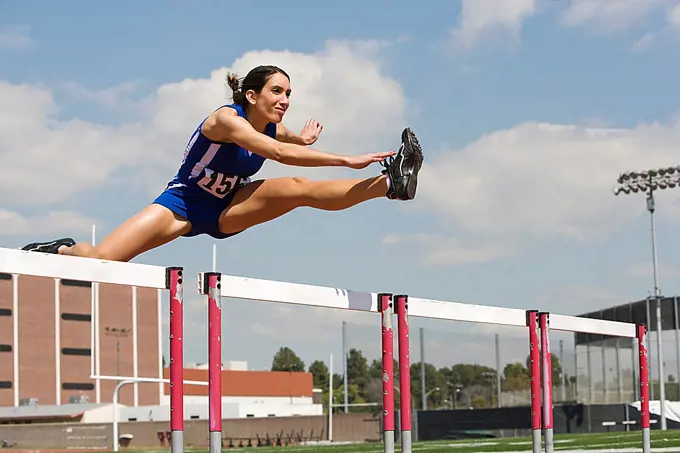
62, 157
608, 16
480, 18
670, 32
15, 38
438, 250
545, 181
342, 86
54, 222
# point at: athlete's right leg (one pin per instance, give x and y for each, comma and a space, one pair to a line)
152, 227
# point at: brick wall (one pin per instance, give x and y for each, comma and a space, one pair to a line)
346, 427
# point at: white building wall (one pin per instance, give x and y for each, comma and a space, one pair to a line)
276, 400
103, 414
196, 407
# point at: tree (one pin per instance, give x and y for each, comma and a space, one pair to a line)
357, 369
556, 367
319, 372
433, 379
286, 360
515, 377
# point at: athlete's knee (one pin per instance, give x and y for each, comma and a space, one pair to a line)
298, 190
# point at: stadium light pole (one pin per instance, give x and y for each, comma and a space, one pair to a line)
647, 182
118, 333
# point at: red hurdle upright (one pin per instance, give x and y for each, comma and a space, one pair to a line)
175, 284
546, 365
387, 311
644, 387
213, 282
535, 376
404, 373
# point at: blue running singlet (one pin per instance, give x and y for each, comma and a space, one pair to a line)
208, 177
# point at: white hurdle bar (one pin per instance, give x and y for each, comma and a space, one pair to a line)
19, 262
217, 286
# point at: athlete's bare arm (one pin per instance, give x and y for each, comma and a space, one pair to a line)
310, 132
225, 125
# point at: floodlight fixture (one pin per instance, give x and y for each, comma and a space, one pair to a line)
648, 181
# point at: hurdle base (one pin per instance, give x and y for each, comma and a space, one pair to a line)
215, 441
549, 443
177, 442
406, 441
388, 439
537, 441
646, 441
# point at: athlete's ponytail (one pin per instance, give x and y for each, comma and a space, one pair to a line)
237, 94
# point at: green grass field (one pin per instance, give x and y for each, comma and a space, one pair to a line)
666, 442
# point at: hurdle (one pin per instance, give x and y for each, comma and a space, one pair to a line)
217, 286
538, 324
61, 267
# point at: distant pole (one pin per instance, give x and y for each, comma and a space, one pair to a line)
330, 399
423, 396
564, 376
499, 390
647, 182
344, 365
214, 258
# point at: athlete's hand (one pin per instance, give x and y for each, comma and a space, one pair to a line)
311, 132
363, 161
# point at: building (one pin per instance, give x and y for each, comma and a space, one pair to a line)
245, 394
46, 333
46, 358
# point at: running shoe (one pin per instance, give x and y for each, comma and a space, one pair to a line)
403, 167
49, 247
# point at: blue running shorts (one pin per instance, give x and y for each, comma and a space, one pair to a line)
198, 207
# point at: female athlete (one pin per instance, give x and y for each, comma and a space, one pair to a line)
212, 192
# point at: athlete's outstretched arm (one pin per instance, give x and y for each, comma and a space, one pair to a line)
229, 127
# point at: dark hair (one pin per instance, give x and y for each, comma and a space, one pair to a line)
255, 80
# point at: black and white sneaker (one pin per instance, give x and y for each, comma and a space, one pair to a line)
49, 247
403, 167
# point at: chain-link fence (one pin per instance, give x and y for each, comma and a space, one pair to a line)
480, 365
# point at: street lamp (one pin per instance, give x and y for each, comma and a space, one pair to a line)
647, 182
118, 333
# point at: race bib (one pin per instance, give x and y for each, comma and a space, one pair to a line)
220, 184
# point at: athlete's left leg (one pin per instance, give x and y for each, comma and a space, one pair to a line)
265, 200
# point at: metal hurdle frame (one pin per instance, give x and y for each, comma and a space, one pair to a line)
216, 286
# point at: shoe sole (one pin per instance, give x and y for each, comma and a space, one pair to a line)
41, 246
412, 146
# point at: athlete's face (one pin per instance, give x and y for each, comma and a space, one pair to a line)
274, 99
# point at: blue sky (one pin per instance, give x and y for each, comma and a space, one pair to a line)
527, 112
